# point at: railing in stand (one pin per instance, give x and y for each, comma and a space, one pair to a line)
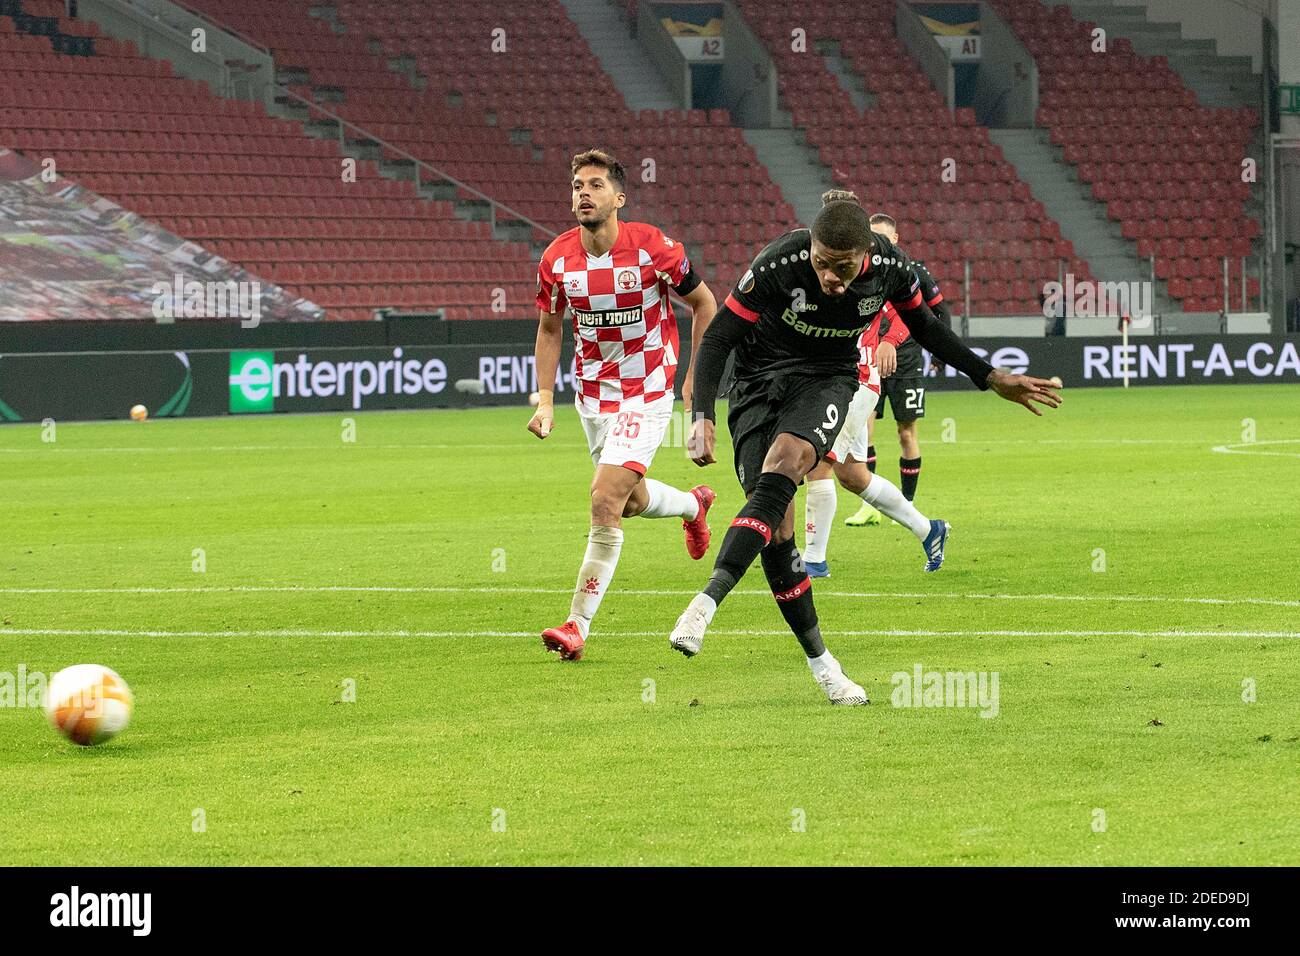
493, 205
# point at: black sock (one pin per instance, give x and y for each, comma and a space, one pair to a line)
909, 473
871, 459
793, 592
750, 532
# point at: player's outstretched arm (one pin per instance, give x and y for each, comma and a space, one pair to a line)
944, 345
1024, 389
546, 359
703, 308
724, 334
944, 315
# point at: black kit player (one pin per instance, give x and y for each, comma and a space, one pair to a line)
903, 387
794, 320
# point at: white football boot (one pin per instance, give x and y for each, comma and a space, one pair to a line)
839, 689
688, 633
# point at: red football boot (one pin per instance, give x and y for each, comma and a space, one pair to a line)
697, 529
565, 639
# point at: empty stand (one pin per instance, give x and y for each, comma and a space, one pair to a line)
507, 125
255, 189
893, 155
1167, 168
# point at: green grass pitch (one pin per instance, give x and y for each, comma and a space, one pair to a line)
1127, 583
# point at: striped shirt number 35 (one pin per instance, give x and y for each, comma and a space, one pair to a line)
627, 425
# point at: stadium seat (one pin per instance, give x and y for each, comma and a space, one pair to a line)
1130, 126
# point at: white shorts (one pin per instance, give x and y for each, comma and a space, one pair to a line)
627, 439
852, 439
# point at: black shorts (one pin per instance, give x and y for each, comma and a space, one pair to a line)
812, 407
906, 396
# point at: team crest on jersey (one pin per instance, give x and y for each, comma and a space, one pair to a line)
870, 305
627, 280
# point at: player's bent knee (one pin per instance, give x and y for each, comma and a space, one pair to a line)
609, 504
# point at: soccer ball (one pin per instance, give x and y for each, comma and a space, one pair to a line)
88, 704
139, 413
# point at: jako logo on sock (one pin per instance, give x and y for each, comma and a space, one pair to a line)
794, 592
753, 524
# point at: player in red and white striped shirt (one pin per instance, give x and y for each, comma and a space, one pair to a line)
614, 277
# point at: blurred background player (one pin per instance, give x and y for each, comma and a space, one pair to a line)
615, 278
903, 388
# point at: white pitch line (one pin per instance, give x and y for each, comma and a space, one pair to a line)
45, 449
348, 446
822, 592
1236, 448
1247, 448
111, 632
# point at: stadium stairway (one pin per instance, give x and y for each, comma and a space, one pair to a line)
1083, 221
606, 31
1130, 126
493, 120
893, 152
792, 161
1217, 80
849, 81
793, 166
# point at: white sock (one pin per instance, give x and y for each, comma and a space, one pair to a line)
706, 604
888, 500
603, 546
820, 665
819, 515
667, 502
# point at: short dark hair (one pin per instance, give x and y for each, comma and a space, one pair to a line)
598, 157
878, 217
842, 225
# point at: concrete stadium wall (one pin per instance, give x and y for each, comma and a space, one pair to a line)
748, 74
1006, 84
